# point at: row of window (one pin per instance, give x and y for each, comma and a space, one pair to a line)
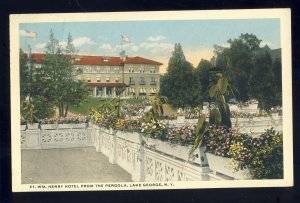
130, 81
113, 70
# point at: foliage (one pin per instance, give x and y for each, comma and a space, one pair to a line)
25, 79
202, 74
267, 158
201, 128
154, 129
218, 139
54, 80
262, 83
128, 124
220, 114
28, 112
178, 83
23, 121
262, 156
63, 120
251, 70
184, 135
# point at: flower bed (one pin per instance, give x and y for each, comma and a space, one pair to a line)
261, 156
224, 166
223, 142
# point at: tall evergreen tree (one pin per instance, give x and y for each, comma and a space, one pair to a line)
178, 83
202, 75
56, 77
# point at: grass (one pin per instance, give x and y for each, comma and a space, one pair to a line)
84, 107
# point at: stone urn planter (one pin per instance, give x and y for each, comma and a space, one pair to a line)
274, 115
48, 126
33, 126
219, 164
23, 127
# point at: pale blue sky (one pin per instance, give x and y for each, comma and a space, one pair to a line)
152, 39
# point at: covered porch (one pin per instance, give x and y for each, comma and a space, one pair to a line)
105, 89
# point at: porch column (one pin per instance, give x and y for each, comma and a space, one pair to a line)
113, 94
95, 91
104, 91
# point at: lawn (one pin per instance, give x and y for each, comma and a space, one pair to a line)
85, 106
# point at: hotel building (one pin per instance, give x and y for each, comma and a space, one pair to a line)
105, 74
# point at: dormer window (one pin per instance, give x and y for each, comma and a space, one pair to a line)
105, 59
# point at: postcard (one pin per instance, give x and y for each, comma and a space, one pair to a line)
151, 100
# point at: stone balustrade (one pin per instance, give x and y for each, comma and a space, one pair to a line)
145, 159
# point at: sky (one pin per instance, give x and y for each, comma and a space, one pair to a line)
151, 39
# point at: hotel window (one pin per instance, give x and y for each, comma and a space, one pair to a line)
142, 81
88, 79
117, 80
98, 79
107, 79
131, 81
152, 81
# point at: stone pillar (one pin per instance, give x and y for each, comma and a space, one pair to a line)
33, 139
113, 94
113, 150
138, 173
104, 91
95, 91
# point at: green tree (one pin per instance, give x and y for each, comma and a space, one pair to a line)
202, 74
277, 82
24, 76
178, 83
262, 81
56, 77
240, 56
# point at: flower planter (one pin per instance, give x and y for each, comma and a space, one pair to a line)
71, 125
222, 165
174, 150
180, 119
274, 115
23, 127
130, 136
108, 131
48, 126
33, 126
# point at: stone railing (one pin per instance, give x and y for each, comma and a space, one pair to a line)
147, 159
56, 136
253, 126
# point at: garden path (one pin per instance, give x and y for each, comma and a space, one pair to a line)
73, 165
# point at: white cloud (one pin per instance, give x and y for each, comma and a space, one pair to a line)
157, 47
135, 48
78, 42
156, 38
40, 47
22, 32
106, 46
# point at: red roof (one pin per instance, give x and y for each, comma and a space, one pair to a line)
106, 84
101, 60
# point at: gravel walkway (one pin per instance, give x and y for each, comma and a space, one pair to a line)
73, 165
